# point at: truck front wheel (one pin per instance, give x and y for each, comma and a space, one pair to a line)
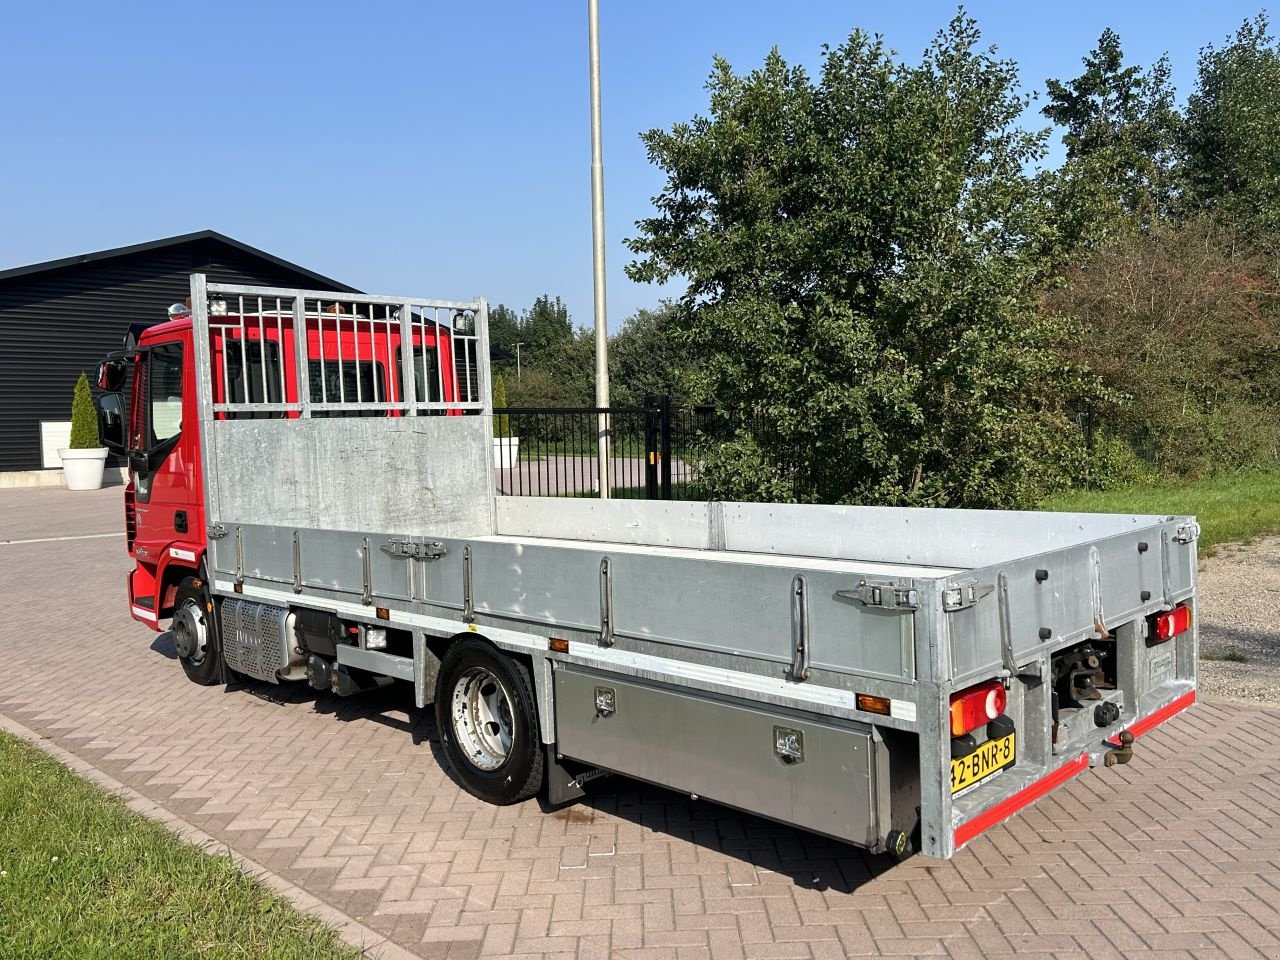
488, 722
194, 638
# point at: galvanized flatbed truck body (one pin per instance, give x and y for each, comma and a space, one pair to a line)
803, 663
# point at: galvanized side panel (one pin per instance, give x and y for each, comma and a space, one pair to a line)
410, 475
1062, 596
730, 607
654, 522
813, 774
931, 537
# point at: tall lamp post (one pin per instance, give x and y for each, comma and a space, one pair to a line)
597, 254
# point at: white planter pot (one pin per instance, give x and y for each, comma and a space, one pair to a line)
506, 452
82, 469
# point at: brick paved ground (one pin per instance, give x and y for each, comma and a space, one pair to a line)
1175, 855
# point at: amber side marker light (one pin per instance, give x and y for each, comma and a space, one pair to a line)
558, 645
383, 613
869, 703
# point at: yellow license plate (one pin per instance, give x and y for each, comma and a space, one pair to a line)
991, 757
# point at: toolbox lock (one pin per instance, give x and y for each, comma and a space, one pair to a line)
606, 702
788, 744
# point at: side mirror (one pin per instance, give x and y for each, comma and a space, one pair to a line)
111, 421
111, 374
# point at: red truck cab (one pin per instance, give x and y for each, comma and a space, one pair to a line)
155, 425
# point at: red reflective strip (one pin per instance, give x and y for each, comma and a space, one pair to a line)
1025, 797
1152, 720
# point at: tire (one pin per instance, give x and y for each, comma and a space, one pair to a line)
487, 720
195, 634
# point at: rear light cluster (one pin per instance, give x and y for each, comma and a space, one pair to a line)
1166, 626
976, 707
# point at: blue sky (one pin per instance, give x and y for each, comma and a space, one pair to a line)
428, 148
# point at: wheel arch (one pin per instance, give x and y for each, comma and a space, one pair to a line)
170, 573
540, 666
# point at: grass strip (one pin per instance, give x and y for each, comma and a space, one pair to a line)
1231, 508
82, 876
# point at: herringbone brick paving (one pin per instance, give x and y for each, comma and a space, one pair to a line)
1175, 855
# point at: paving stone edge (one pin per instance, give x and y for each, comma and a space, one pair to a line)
351, 931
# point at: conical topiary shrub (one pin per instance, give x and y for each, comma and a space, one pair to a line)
84, 419
501, 422
84, 457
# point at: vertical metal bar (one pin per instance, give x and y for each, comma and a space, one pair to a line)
665, 439
606, 604
799, 628
355, 343
300, 358
468, 345
262, 350
373, 359
201, 346
244, 357
468, 598
439, 348
222, 344
342, 371
391, 353
297, 564
1006, 630
597, 248
408, 375
284, 396
484, 375
324, 376
367, 597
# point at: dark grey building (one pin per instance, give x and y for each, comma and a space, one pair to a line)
61, 317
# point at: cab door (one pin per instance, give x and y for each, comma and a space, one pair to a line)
164, 456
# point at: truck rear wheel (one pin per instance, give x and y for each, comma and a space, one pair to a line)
488, 723
194, 636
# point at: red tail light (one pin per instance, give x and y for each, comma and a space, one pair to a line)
977, 706
1166, 626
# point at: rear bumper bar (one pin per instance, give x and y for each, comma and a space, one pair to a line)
1006, 808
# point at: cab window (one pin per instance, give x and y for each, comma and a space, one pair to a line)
164, 392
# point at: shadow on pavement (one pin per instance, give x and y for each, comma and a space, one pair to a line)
163, 645
807, 860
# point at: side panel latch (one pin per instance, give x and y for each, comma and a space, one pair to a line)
886, 594
961, 596
412, 550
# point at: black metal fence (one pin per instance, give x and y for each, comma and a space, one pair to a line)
554, 451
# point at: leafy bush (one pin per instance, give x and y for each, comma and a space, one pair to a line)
84, 419
1180, 322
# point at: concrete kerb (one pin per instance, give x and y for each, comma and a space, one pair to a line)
351, 931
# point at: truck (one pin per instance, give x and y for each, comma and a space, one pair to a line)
311, 499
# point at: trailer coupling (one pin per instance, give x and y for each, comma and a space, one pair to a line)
1122, 753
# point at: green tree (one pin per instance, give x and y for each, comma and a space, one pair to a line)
84, 420
1120, 129
1233, 130
861, 278
545, 327
647, 357
504, 328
